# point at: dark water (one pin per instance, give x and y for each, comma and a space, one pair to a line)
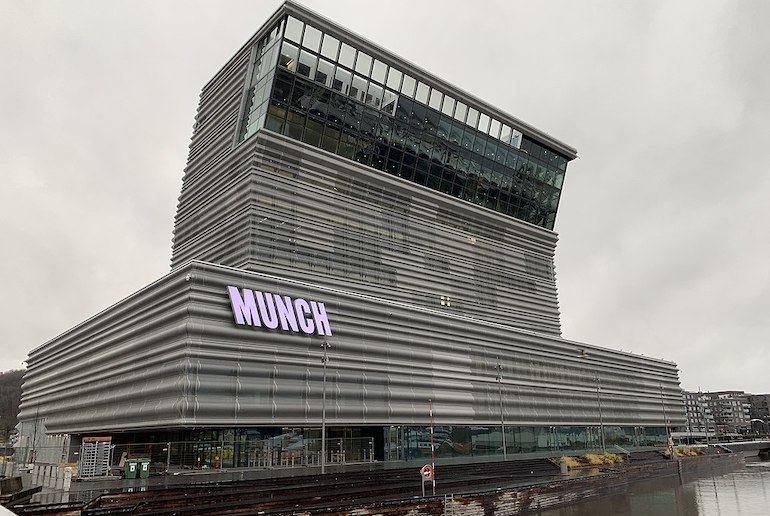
743, 492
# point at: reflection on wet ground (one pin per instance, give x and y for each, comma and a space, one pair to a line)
744, 492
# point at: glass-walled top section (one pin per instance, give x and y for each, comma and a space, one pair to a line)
319, 89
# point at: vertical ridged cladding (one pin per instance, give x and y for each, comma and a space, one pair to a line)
171, 356
212, 144
122, 365
272, 204
388, 358
347, 226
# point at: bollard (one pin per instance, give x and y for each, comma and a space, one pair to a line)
67, 478
563, 468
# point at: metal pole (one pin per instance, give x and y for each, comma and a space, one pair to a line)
168, 457
601, 416
502, 414
703, 415
663, 404
432, 447
324, 359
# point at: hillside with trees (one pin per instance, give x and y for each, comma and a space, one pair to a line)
10, 396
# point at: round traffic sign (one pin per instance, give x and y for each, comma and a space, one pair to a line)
427, 472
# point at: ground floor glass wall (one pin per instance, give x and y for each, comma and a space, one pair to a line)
298, 446
460, 441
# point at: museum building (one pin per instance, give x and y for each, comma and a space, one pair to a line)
360, 246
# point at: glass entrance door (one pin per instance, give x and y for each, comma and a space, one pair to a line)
394, 443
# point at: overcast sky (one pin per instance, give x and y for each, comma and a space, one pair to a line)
664, 246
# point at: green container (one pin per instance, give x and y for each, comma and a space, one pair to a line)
144, 468
130, 468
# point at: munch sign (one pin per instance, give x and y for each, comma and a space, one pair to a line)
256, 308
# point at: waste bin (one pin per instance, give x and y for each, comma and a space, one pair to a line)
130, 468
144, 468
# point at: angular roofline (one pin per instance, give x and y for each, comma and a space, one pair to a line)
419, 73
323, 23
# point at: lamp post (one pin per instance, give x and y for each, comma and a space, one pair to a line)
324, 359
601, 416
665, 416
502, 414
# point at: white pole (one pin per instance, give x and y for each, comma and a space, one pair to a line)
502, 416
601, 416
432, 446
325, 346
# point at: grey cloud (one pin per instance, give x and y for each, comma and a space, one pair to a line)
662, 251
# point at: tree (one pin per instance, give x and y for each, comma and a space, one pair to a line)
10, 397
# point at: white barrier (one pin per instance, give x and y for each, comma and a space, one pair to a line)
59, 477
67, 478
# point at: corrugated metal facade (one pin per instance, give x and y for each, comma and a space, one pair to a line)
173, 356
425, 294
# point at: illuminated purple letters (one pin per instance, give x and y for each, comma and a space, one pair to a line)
255, 308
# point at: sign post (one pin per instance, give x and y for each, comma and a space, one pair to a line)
426, 475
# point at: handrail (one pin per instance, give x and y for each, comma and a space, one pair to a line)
623, 450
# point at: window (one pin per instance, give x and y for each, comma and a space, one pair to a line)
347, 56
312, 38
330, 47
307, 64
394, 79
460, 111
289, 56
435, 99
363, 64
423, 90
293, 30
408, 86
379, 70
325, 72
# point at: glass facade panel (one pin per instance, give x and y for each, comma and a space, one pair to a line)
389, 101
374, 95
363, 64
325, 73
311, 40
479, 441
293, 30
484, 123
307, 64
379, 71
330, 47
394, 79
461, 111
408, 85
423, 90
435, 99
347, 56
494, 129
289, 56
448, 106
473, 118
342, 80
358, 88
433, 140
